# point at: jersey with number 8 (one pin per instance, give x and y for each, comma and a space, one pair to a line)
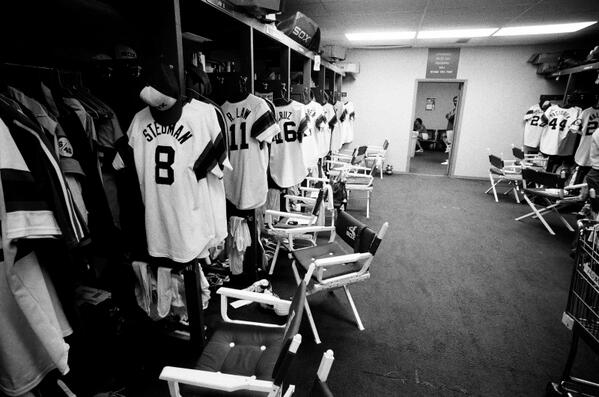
171, 163
250, 123
287, 166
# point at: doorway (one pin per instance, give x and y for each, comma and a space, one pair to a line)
434, 138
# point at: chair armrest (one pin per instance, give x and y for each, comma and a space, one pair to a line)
307, 200
288, 215
338, 260
578, 186
358, 167
315, 179
342, 155
509, 163
336, 162
358, 175
257, 297
213, 380
310, 229
309, 189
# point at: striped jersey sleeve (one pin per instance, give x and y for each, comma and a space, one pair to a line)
265, 126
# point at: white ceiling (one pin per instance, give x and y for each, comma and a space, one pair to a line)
337, 17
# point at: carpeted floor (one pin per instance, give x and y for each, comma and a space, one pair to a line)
428, 163
463, 300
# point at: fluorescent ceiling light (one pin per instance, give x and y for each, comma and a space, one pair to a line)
380, 36
456, 33
543, 29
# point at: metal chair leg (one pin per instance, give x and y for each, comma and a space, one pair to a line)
538, 214
564, 221
274, 259
493, 188
312, 323
353, 307
516, 191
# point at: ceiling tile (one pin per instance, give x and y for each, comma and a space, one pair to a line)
470, 17
376, 6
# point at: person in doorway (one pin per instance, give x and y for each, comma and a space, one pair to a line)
422, 134
450, 123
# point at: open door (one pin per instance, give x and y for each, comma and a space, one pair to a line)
435, 127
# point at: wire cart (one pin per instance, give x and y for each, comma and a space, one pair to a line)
582, 312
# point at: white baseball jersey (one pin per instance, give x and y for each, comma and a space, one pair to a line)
250, 123
589, 119
556, 138
318, 123
330, 114
533, 126
172, 162
350, 115
287, 166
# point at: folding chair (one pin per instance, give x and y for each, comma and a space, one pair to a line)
504, 171
336, 265
360, 179
340, 161
431, 139
283, 230
536, 160
552, 191
376, 155
320, 387
244, 355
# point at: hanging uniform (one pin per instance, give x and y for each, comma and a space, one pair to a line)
350, 112
556, 139
287, 166
318, 123
172, 163
534, 125
329, 112
250, 123
589, 119
216, 186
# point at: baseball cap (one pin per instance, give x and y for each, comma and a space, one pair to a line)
122, 51
162, 93
101, 57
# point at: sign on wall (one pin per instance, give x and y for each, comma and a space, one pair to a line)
442, 63
430, 104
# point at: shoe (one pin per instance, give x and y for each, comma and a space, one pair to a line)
419, 151
447, 150
446, 162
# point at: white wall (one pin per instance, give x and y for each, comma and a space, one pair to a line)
500, 87
443, 94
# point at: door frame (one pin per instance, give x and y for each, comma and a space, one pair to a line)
457, 126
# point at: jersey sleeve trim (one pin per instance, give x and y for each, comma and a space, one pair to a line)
264, 127
205, 162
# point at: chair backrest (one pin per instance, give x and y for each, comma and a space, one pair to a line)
359, 155
548, 180
294, 319
318, 203
440, 134
518, 153
495, 161
356, 234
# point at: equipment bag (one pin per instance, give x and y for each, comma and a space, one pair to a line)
302, 30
